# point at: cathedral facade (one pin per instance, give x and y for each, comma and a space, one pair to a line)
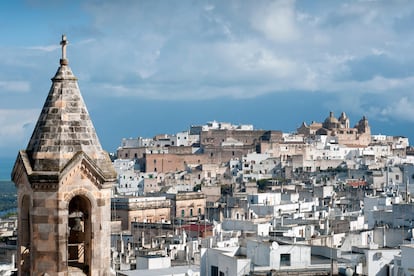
358, 136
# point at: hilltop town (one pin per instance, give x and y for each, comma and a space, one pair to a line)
233, 200
217, 199
224, 199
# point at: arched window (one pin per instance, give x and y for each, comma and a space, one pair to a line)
80, 233
25, 235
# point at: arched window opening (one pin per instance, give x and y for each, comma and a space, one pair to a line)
25, 236
79, 239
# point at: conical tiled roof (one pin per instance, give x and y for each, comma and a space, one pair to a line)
64, 126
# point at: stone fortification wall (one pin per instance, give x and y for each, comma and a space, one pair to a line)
179, 162
180, 150
215, 137
219, 154
163, 163
130, 153
277, 149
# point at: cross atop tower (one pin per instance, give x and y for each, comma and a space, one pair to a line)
64, 42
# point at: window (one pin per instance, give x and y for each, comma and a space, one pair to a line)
199, 211
191, 212
214, 271
182, 213
285, 259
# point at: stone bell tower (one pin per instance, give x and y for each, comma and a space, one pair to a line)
64, 180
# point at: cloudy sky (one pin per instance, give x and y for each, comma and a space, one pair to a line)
151, 67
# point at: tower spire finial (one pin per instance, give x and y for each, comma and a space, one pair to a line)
64, 42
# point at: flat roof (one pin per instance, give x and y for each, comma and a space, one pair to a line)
174, 270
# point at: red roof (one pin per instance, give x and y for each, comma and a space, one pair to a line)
197, 227
356, 183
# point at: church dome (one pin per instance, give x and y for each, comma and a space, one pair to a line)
330, 122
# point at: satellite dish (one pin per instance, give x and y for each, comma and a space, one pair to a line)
189, 272
275, 245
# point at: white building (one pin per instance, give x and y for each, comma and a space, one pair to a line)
265, 199
223, 125
373, 261
378, 209
271, 255
404, 264
294, 209
153, 262
224, 261
136, 142
260, 229
181, 139
129, 181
